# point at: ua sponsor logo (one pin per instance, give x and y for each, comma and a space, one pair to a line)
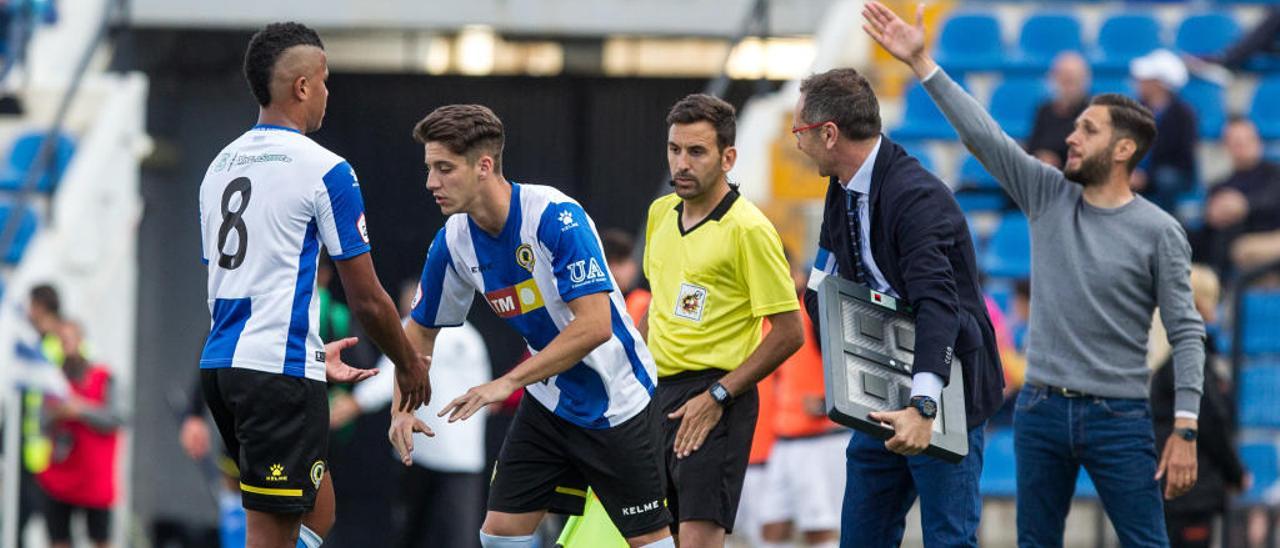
587, 270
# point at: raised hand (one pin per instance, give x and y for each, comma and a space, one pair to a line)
902, 40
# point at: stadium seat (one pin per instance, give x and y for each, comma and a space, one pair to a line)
1259, 391
979, 201
974, 176
1044, 36
920, 151
26, 229
1265, 108
1206, 33
22, 158
1260, 460
1207, 100
999, 473
1261, 316
1123, 37
921, 118
1111, 84
1014, 103
970, 41
1008, 254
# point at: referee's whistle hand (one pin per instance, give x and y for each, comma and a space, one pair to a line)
911, 431
697, 417
403, 426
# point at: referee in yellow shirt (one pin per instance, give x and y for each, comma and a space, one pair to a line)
716, 269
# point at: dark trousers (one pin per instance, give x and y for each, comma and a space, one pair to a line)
1190, 530
439, 509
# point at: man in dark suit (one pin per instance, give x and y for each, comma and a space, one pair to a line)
890, 224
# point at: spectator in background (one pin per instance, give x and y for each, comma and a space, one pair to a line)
1263, 38
442, 494
44, 311
1056, 117
1169, 170
1190, 518
806, 469
619, 252
1247, 201
81, 474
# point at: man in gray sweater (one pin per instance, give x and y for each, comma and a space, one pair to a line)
1102, 260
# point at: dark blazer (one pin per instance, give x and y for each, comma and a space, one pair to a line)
921, 243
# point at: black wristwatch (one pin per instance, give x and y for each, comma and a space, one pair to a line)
720, 394
1188, 434
925, 406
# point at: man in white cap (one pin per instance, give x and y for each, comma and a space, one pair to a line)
1169, 170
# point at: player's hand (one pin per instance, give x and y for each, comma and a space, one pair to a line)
902, 40
475, 399
1178, 463
342, 410
403, 426
194, 437
414, 380
697, 417
911, 431
335, 370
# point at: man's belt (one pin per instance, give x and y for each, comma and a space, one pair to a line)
1064, 392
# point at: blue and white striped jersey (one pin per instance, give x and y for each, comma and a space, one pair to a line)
267, 203
547, 255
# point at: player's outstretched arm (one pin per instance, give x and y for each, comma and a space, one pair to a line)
373, 307
590, 328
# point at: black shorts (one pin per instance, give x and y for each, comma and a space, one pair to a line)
277, 426
546, 463
57, 517
707, 485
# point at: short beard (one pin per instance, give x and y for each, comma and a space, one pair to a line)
1092, 171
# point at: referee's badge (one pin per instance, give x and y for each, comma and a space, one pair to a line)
524, 257
317, 473
690, 302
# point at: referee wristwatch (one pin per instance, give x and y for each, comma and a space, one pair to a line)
925, 406
720, 394
1188, 434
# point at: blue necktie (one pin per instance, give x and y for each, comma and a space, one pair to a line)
855, 237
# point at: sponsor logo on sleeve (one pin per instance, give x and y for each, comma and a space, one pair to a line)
417, 297
585, 271
362, 228
567, 221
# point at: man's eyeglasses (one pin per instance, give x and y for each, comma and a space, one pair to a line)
798, 130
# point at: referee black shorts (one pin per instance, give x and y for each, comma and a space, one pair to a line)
707, 484
547, 463
277, 427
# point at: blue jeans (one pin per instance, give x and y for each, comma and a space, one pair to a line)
1053, 436
882, 485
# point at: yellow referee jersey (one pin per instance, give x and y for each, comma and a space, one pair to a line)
712, 284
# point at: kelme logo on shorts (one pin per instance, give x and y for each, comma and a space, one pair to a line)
317, 473
276, 473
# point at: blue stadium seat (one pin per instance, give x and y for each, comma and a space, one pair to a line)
920, 151
1206, 33
1261, 316
1265, 109
999, 473
26, 229
1259, 390
1111, 84
979, 201
1260, 460
1014, 103
1208, 102
973, 175
921, 118
970, 41
1123, 37
22, 158
1008, 254
1043, 37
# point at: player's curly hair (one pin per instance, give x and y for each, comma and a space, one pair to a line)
265, 49
470, 130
